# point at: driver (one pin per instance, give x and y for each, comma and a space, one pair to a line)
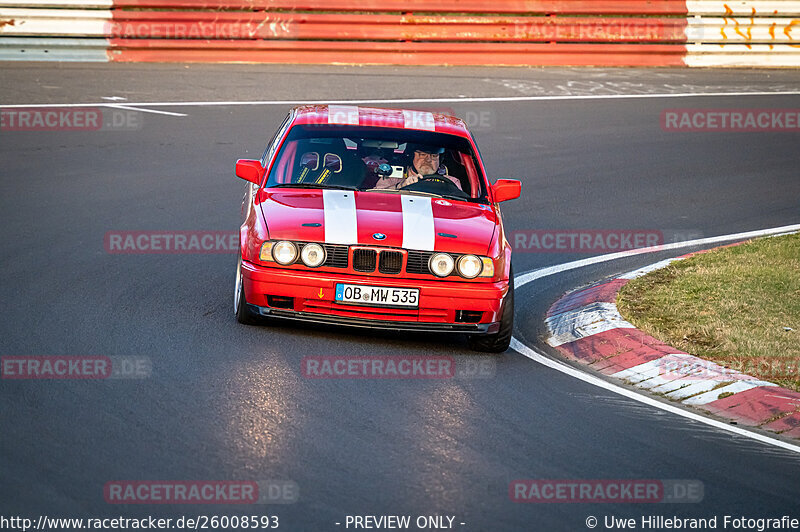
425, 162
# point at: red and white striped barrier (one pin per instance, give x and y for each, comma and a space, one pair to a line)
525, 32
585, 326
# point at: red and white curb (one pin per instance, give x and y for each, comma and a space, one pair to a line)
585, 326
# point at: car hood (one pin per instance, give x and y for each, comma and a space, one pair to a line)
378, 219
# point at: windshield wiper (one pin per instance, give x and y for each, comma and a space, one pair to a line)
459, 198
312, 185
401, 191
419, 192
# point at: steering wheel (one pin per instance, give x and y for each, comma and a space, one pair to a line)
436, 178
436, 184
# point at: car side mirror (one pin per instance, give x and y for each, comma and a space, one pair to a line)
249, 170
506, 189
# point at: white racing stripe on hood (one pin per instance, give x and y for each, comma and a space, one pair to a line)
418, 231
340, 217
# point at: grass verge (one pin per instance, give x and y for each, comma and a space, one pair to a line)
731, 305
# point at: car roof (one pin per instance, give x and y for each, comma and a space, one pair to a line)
380, 117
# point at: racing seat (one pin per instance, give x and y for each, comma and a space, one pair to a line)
327, 163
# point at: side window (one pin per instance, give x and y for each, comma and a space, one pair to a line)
273, 145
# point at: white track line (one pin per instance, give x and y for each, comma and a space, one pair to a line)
420, 100
129, 108
525, 278
537, 356
591, 379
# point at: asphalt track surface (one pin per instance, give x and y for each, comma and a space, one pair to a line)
229, 402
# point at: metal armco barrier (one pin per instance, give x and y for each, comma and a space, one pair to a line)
468, 32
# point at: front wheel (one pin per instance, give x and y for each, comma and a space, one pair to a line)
240, 307
499, 341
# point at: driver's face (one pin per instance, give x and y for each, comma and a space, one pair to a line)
426, 163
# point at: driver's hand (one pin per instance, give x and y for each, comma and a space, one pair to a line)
410, 180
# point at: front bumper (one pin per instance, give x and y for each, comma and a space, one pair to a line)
442, 304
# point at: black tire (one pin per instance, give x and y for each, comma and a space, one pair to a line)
243, 312
500, 341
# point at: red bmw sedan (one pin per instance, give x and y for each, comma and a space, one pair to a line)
378, 218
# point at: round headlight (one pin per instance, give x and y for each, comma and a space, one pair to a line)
441, 264
284, 252
469, 266
313, 255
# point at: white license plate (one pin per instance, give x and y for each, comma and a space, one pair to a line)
377, 296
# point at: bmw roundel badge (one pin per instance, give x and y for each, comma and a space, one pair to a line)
378, 236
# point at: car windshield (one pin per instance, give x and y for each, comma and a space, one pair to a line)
378, 159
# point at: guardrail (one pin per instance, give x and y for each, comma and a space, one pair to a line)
566, 32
